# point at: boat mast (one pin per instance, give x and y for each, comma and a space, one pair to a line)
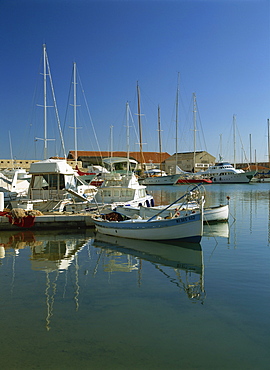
111, 134
220, 155
46, 71
176, 122
140, 125
11, 153
45, 99
75, 111
268, 125
234, 153
127, 120
159, 138
195, 129
250, 149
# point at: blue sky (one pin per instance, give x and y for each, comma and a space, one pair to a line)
220, 49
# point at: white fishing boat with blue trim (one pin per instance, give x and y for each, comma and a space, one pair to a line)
187, 227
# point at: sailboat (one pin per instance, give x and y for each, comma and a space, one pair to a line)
54, 183
188, 177
225, 172
161, 178
122, 188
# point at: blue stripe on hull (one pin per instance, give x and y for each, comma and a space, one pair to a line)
148, 225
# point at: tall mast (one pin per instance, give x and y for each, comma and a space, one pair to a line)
220, 155
268, 126
46, 72
127, 121
234, 143
11, 153
250, 149
195, 129
45, 99
111, 134
140, 125
176, 122
159, 138
75, 111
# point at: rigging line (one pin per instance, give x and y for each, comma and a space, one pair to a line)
242, 146
198, 112
69, 93
55, 106
31, 115
88, 111
132, 120
133, 125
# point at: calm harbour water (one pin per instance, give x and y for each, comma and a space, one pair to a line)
70, 300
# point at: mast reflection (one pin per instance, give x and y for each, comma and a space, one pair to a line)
52, 253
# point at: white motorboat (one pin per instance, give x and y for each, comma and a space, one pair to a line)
224, 172
211, 214
122, 188
21, 173
189, 202
54, 184
160, 179
12, 185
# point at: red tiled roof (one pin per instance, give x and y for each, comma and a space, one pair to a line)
148, 157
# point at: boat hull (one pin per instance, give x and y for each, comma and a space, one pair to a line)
225, 173
189, 228
210, 214
194, 181
216, 214
237, 178
160, 180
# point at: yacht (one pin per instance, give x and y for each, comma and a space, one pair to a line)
54, 184
121, 186
224, 172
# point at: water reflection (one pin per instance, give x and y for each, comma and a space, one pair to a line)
50, 250
51, 253
184, 260
56, 255
220, 229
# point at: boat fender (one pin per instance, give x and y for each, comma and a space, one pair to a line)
147, 203
152, 202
